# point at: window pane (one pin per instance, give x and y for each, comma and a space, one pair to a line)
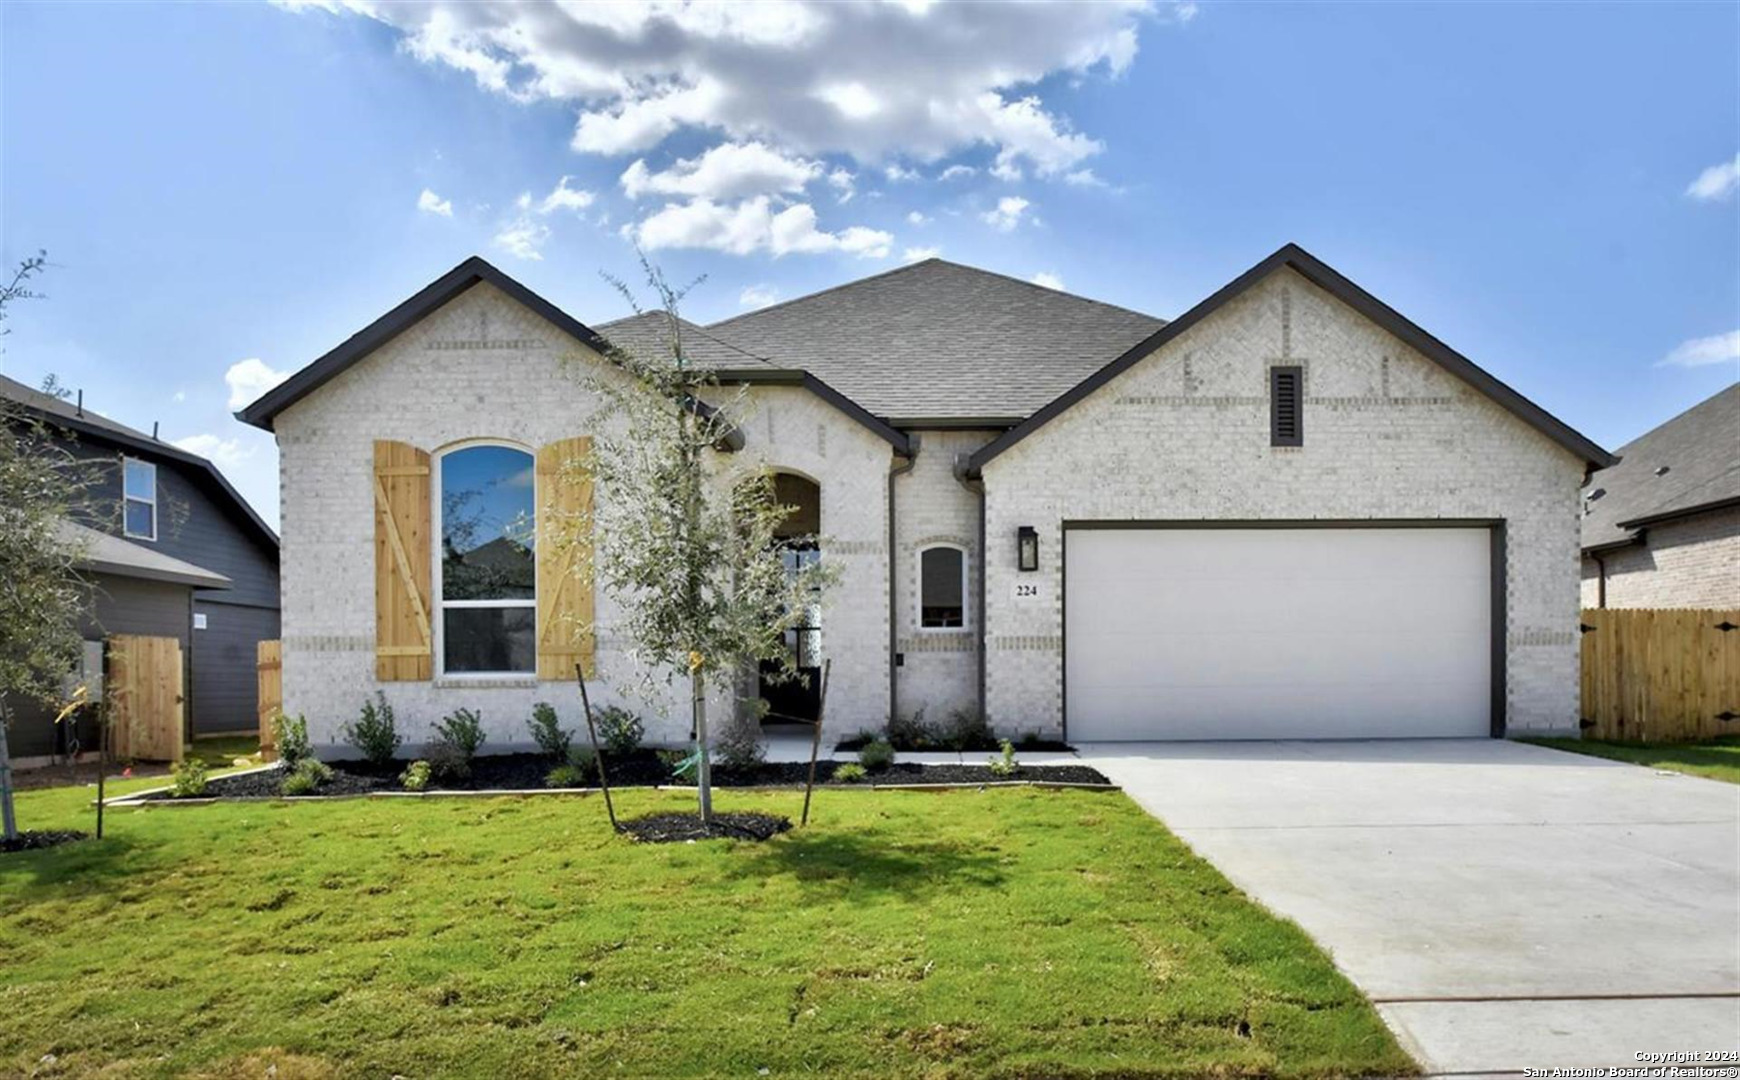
941, 602
487, 516
489, 639
141, 519
139, 478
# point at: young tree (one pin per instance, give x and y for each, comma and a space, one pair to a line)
684, 540
41, 594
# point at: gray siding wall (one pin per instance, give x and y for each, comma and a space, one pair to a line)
225, 691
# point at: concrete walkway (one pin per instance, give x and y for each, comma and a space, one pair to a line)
1506, 906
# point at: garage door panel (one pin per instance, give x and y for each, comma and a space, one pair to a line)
1277, 633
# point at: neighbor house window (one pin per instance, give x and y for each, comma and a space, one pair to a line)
488, 583
139, 499
942, 588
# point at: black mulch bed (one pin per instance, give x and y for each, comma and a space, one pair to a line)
678, 828
37, 839
986, 745
643, 768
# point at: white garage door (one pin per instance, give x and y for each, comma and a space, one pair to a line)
1277, 633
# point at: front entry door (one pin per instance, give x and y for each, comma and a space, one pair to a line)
800, 698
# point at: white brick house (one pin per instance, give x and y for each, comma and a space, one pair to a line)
1287, 513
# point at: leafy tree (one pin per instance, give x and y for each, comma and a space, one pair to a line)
684, 537
42, 596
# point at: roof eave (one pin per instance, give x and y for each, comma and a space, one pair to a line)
1677, 513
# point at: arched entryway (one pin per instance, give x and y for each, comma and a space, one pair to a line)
797, 538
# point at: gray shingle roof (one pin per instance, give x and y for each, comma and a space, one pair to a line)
939, 340
1700, 451
648, 335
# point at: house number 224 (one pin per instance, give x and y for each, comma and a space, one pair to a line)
1026, 590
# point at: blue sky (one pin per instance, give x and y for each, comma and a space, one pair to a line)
227, 191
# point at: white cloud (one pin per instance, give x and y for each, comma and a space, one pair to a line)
431, 203
757, 296
957, 172
1083, 178
225, 453
919, 254
752, 226
899, 174
1008, 213
1716, 182
728, 171
867, 80
1047, 279
248, 379
843, 180
523, 238
180, 396
1700, 352
916, 218
563, 197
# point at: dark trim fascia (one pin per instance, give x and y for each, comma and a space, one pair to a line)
1681, 512
172, 577
169, 451
1615, 545
954, 423
903, 445
359, 345
201, 596
1497, 571
1332, 282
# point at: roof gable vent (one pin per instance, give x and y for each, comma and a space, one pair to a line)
1286, 406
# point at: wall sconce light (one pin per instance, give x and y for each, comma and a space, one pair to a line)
1027, 548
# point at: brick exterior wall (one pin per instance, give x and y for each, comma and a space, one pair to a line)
1691, 563
940, 673
1388, 434
484, 366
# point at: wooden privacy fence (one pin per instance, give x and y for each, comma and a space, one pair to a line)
145, 697
1667, 675
269, 670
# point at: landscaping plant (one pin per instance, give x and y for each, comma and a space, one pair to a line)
876, 755
416, 776
910, 732
307, 777
739, 742
291, 735
850, 773
373, 733
458, 736
187, 781
547, 732
618, 729
1004, 764
686, 539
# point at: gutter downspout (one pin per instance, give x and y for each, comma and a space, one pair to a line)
893, 577
970, 479
1600, 579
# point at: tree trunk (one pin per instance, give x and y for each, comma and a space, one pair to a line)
704, 770
8, 823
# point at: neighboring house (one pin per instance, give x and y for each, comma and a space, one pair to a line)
1661, 529
171, 550
1287, 513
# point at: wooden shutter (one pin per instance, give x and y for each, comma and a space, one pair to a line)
403, 640
565, 601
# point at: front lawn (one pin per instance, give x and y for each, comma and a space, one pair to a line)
1012, 932
1713, 759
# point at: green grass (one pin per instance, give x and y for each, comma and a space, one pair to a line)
1013, 932
1713, 759
224, 749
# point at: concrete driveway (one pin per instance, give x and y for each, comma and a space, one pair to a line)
1506, 906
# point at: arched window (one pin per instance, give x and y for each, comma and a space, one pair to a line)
942, 588
488, 526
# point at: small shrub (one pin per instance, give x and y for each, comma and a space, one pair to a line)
416, 776
566, 775
1004, 764
619, 730
850, 773
374, 734
911, 732
457, 739
1030, 740
965, 729
306, 778
291, 735
674, 759
738, 743
876, 756
188, 781
547, 733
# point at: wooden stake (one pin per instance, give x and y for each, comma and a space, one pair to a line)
592, 733
816, 738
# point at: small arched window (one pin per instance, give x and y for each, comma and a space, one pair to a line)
488, 589
942, 588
